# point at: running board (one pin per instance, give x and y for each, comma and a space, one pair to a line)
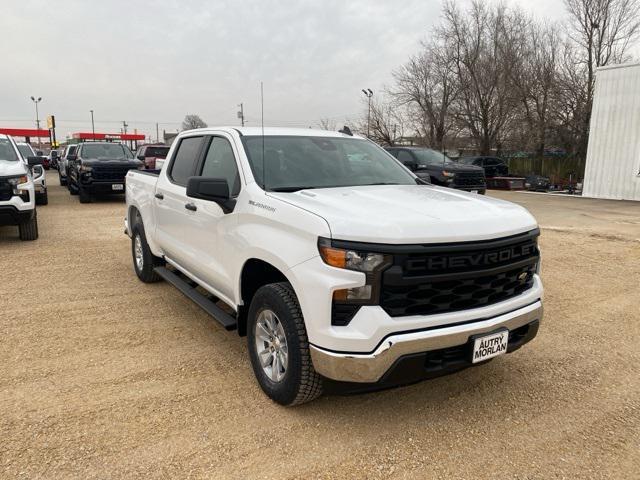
226, 320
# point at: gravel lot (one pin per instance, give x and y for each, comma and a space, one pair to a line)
106, 377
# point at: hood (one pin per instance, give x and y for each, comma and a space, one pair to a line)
401, 214
13, 168
454, 167
111, 161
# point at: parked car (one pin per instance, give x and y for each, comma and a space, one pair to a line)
53, 159
152, 155
99, 168
493, 166
438, 169
17, 193
63, 162
537, 183
341, 267
37, 171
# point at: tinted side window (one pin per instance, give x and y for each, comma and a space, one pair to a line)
393, 152
220, 162
478, 162
185, 160
405, 157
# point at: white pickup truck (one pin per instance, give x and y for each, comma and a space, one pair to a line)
343, 269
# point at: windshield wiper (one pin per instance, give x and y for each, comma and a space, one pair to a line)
292, 189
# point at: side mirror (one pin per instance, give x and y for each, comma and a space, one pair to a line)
72, 157
141, 157
54, 154
207, 188
39, 153
34, 161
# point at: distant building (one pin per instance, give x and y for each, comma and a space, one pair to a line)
168, 137
613, 155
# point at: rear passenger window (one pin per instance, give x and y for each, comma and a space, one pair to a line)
185, 160
220, 162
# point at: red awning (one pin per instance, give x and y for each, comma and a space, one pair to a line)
107, 136
25, 132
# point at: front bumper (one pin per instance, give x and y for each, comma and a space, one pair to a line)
10, 215
98, 187
394, 349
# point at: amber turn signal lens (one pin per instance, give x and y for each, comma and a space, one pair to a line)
334, 257
340, 295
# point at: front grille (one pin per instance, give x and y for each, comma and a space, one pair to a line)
6, 190
469, 179
448, 278
108, 173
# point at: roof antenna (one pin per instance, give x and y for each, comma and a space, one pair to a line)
264, 170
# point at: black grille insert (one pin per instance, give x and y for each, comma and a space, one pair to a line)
469, 179
110, 173
439, 278
6, 190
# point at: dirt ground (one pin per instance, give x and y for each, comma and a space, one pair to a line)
105, 377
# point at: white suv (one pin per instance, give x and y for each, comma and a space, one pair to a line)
17, 192
39, 178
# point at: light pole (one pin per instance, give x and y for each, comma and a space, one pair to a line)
37, 101
93, 128
368, 93
241, 114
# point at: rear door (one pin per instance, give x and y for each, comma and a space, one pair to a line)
208, 225
172, 205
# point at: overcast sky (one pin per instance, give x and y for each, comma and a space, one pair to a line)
147, 62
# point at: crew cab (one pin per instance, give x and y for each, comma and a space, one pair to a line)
63, 162
37, 171
99, 168
439, 169
493, 166
152, 155
17, 192
343, 269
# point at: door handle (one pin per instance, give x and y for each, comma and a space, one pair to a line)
159, 196
191, 206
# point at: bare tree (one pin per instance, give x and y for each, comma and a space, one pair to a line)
427, 86
387, 122
602, 31
476, 39
192, 121
327, 124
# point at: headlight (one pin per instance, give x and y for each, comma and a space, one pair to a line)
15, 181
448, 174
85, 168
369, 263
38, 171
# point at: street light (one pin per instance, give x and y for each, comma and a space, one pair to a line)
36, 101
368, 93
93, 128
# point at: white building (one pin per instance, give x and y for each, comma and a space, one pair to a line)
613, 155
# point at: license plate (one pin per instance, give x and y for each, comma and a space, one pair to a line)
489, 346
474, 191
117, 187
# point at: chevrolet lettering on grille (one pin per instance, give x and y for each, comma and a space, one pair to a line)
479, 259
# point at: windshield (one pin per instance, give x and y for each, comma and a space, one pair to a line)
431, 157
468, 160
6, 150
26, 151
295, 163
103, 150
158, 152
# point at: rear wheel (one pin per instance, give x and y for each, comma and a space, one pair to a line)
63, 180
279, 348
144, 261
29, 229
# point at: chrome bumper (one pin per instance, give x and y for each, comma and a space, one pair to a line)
370, 367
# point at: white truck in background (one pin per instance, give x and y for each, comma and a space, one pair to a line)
342, 268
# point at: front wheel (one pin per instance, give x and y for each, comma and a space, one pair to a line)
279, 348
42, 198
85, 197
63, 180
29, 229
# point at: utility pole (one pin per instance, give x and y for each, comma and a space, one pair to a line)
37, 101
124, 129
157, 133
241, 114
93, 127
368, 93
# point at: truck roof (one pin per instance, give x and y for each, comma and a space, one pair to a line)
276, 131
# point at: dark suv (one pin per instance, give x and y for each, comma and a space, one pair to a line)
493, 166
99, 167
440, 169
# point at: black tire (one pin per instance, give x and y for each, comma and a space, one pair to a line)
63, 180
42, 198
73, 189
149, 260
482, 192
300, 383
85, 197
29, 229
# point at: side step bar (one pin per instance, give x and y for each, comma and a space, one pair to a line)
226, 320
